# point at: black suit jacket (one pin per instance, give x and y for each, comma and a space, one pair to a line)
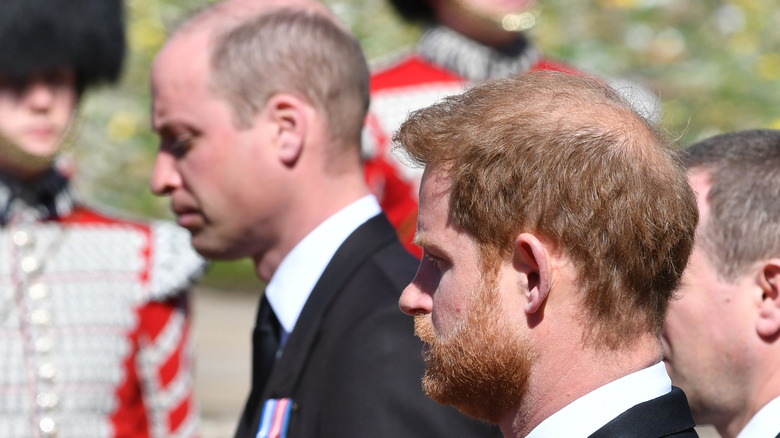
352, 364
668, 415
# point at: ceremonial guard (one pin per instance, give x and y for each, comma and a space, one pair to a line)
464, 43
94, 330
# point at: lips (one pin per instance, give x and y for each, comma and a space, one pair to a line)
41, 133
187, 217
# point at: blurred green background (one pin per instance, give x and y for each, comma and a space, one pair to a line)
715, 66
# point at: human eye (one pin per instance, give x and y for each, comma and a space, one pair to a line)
177, 145
434, 260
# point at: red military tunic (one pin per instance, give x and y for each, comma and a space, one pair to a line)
94, 330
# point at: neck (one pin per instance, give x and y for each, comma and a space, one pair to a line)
312, 202
31, 171
569, 372
763, 390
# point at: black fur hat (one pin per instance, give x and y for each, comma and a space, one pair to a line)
413, 10
88, 35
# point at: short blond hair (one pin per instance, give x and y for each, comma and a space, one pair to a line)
295, 51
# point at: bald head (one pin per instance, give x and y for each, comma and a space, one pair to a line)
230, 13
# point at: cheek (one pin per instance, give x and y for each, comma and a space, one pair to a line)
10, 117
683, 317
66, 107
202, 177
450, 304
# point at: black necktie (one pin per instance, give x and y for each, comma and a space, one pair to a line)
265, 340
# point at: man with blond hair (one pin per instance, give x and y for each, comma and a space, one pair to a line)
555, 223
259, 107
721, 337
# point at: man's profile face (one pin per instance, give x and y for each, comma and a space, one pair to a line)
34, 117
215, 173
476, 358
705, 327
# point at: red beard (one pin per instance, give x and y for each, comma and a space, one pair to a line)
482, 369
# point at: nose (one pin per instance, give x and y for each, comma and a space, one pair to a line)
40, 94
165, 175
414, 299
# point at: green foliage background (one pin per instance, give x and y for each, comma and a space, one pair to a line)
714, 64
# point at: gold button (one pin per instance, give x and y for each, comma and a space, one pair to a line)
30, 264
47, 371
44, 345
48, 426
47, 400
41, 317
38, 291
22, 238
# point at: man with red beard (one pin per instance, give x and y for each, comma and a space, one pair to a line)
555, 223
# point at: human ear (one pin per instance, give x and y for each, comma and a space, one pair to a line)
530, 259
288, 113
768, 279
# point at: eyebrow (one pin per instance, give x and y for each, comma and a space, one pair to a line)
422, 240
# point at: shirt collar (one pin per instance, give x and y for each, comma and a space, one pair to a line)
294, 280
592, 411
475, 61
764, 423
47, 197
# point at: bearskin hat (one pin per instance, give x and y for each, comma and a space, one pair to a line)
87, 35
413, 10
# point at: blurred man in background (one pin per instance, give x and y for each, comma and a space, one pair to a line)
259, 106
546, 272
464, 43
94, 328
721, 337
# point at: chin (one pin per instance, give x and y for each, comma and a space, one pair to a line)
28, 160
212, 250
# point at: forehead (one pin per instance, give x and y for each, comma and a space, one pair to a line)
180, 75
435, 189
182, 63
434, 212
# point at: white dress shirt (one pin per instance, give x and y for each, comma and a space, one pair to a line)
766, 422
592, 411
294, 280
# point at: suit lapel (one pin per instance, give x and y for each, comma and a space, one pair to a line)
366, 240
660, 417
